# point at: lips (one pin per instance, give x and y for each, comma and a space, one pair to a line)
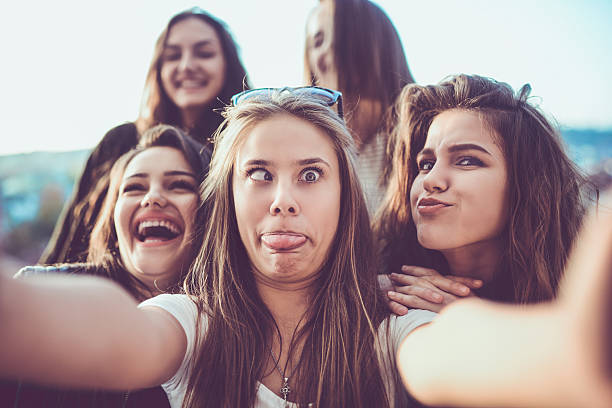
429, 206
191, 83
156, 227
283, 241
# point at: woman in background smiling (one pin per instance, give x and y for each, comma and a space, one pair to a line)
194, 71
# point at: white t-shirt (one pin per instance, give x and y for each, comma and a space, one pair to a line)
185, 312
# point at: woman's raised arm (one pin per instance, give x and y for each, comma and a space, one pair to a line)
84, 332
557, 354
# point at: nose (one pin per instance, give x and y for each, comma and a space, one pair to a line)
187, 62
154, 197
436, 179
284, 202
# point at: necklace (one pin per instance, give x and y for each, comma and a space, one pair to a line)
285, 388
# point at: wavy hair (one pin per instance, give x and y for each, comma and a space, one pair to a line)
337, 367
544, 186
103, 247
157, 108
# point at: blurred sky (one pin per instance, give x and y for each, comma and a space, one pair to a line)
71, 69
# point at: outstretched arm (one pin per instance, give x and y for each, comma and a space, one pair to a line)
478, 353
84, 332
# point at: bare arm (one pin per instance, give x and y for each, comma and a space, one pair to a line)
84, 332
478, 353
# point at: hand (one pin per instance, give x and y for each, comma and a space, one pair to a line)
423, 288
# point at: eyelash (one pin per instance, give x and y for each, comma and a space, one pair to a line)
183, 184
471, 161
318, 170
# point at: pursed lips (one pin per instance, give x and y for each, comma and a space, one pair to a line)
427, 206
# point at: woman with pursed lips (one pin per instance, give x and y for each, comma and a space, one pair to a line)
482, 199
194, 71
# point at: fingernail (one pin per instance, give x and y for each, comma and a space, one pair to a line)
437, 296
464, 290
403, 310
404, 267
391, 293
477, 282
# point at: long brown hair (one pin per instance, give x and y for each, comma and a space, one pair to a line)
103, 246
368, 55
544, 186
338, 364
157, 108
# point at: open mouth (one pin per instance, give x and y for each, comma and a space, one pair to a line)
157, 231
192, 83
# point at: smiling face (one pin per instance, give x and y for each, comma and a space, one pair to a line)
286, 188
459, 197
154, 216
193, 64
320, 50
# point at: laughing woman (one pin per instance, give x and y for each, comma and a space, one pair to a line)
482, 192
145, 240
194, 72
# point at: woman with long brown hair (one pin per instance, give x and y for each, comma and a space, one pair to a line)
369, 67
482, 192
281, 305
194, 71
159, 178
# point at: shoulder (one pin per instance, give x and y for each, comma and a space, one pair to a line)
396, 328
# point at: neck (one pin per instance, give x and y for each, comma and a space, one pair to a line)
287, 306
190, 116
478, 261
364, 121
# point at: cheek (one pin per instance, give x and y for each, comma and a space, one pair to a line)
415, 190
165, 75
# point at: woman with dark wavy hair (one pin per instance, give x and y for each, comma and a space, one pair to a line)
482, 192
194, 71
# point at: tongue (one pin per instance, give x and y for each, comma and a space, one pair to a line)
283, 242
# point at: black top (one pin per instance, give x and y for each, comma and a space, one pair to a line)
70, 239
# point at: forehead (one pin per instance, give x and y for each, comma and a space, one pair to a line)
459, 126
191, 30
286, 138
157, 160
321, 19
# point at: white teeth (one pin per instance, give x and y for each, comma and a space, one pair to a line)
158, 223
191, 83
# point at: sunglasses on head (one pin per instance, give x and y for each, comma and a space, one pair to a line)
328, 97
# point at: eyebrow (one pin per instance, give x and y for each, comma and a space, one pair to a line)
167, 173
196, 45
456, 148
304, 162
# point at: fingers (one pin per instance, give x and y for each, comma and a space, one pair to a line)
419, 271
412, 301
434, 281
469, 282
397, 308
